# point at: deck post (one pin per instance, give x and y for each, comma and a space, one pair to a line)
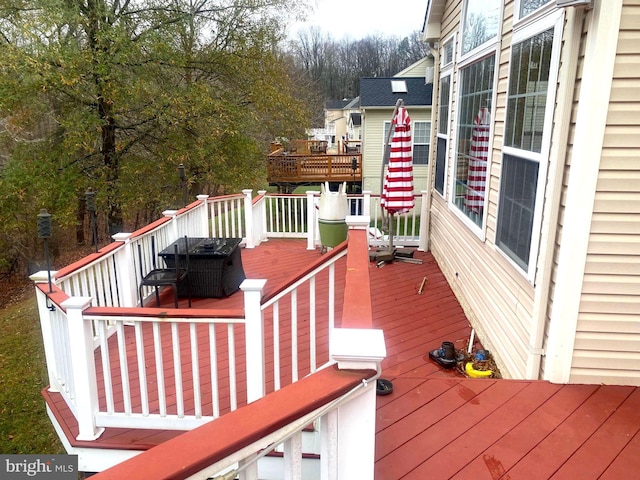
355, 349
423, 241
254, 338
366, 203
172, 214
260, 218
312, 219
125, 271
204, 219
47, 333
83, 367
248, 218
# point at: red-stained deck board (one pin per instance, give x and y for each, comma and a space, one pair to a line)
471, 444
627, 462
602, 448
569, 436
436, 423
453, 414
524, 438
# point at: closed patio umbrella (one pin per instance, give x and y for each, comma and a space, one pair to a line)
397, 191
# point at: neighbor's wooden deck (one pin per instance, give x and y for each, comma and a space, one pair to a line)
436, 423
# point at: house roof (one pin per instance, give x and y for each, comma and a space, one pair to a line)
337, 104
356, 119
377, 92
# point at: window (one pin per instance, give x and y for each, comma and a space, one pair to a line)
529, 81
530, 6
481, 22
399, 86
447, 53
421, 134
472, 150
420, 131
533, 67
519, 181
443, 132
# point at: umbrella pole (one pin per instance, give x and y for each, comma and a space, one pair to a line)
391, 233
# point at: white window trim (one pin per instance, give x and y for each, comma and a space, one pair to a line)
413, 140
554, 21
533, 16
477, 52
426, 144
446, 136
478, 231
451, 38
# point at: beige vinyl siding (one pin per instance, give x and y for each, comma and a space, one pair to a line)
417, 69
607, 346
496, 296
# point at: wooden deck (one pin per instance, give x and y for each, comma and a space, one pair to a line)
437, 423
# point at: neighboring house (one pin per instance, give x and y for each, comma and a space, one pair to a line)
535, 208
378, 97
336, 118
353, 127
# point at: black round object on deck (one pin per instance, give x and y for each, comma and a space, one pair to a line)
383, 386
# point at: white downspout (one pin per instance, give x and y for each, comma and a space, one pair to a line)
425, 221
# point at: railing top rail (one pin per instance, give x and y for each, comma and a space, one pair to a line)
151, 227
194, 451
87, 261
194, 315
225, 197
329, 257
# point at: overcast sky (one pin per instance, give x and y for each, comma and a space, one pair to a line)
359, 18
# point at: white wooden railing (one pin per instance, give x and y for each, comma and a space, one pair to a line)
343, 421
75, 324
111, 276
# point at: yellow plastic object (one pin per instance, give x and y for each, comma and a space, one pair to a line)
472, 372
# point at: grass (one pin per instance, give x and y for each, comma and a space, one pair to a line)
24, 425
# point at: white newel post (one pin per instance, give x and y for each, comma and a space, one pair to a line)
45, 326
355, 348
423, 242
204, 220
172, 214
254, 335
312, 220
125, 266
248, 218
260, 218
83, 367
366, 203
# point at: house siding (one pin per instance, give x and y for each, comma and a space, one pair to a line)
607, 344
417, 69
497, 298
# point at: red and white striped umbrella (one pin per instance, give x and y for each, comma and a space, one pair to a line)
397, 191
478, 155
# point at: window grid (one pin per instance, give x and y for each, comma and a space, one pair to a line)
519, 183
476, 92
530, 6
420, 133
530, 63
